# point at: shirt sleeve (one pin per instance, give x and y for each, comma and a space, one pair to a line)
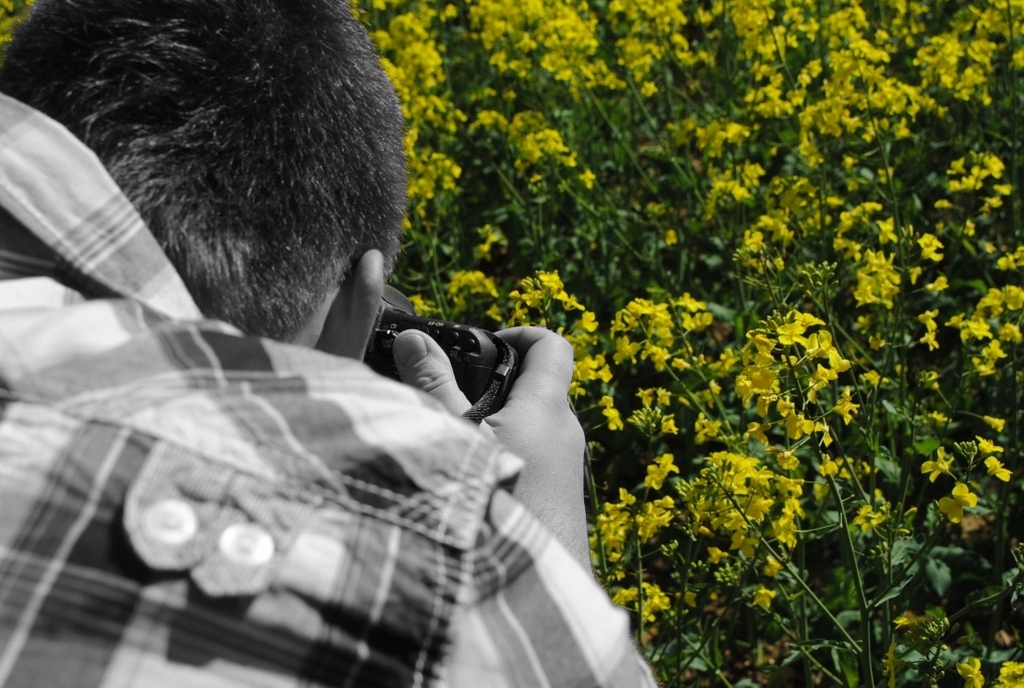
535, 618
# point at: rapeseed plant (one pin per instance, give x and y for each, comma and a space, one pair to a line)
785, 241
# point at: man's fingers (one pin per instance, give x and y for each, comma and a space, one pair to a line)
423, 364
547, 364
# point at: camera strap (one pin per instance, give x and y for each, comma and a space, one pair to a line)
492, 399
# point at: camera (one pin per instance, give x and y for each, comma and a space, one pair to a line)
484, 364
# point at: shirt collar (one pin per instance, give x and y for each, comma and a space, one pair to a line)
63, 216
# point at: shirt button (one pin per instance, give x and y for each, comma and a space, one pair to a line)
247, 544
170, 521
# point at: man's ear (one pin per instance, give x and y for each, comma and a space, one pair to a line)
353, 312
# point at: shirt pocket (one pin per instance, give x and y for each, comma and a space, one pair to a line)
229, 529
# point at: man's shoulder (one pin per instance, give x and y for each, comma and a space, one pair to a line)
254, 470
248, 403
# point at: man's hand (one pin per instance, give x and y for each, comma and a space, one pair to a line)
536, 423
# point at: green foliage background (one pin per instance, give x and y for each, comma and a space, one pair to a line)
784, 238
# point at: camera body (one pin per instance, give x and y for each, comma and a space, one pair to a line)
485, 366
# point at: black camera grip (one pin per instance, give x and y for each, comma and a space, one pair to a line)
484, 365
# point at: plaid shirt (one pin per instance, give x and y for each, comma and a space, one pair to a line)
181, 505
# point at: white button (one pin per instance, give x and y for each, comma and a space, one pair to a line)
170, 521
247, 544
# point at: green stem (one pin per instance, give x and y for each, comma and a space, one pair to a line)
867, 665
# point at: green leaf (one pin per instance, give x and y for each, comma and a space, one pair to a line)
895, 591
903, 551
847, 665
848, 618
745, 683
968, 564
938, 574
926, 446
989, 591
722, 312
889, 468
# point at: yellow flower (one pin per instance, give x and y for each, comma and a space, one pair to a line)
886, 231
659, 470
654, 516
868, 519
655, 601
586, 369
786, 459
756, 430
791, 332
536, 142
845, 407
772, 566
1011, 675
587, 177
987, 447
871, 378
611, 413
995, 468
763, 597
928, 320
939, 466
716, 555
491, 235
877, 281
892, 665
996, 424
588, 321
668, 426
987, 363
953, 506
970, 671
625, 596
647, 396
930, 247
705, 429
466, 282
625, 350
1010, 332
743, 543
904, 622
797, 426
489, 119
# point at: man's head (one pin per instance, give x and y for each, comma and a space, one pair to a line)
260, 140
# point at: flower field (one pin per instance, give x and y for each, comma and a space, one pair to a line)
786, 240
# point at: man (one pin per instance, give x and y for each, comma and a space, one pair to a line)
185, 505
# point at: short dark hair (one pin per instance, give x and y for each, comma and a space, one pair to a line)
260, 140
